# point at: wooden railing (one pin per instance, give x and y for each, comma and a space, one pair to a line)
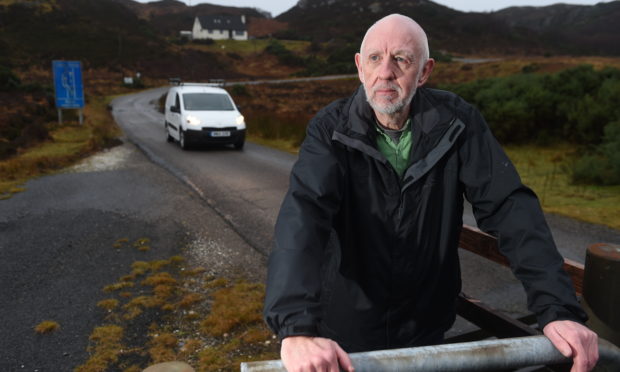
485, 245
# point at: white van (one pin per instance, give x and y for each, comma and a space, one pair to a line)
202, 113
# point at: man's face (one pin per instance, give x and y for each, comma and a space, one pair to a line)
390, 67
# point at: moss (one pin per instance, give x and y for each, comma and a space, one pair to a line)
162, 348
109, 304
158, 265
105, 349
137, 305
46, 326
216, 283
141, 242
190, 348
168, 307
164, 291
128, 278
257, 335
139, 268
117, 286
158, 279
171, 302
190, 299
192, 315
119, 243
212, 359
233, 307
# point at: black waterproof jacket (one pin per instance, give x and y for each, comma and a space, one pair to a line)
370, 260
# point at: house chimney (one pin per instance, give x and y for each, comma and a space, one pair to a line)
243, 18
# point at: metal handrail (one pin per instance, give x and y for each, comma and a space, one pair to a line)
508, 353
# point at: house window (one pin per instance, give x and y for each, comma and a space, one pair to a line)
239, 33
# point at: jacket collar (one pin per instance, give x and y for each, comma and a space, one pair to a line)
426, 113
435, 130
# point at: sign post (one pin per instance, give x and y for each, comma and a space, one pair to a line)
68, 87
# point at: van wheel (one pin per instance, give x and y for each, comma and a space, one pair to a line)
169, 138
239, 145
182, 141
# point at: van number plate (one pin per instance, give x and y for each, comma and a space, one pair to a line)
220, 133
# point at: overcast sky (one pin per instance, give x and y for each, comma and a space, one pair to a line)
275, 7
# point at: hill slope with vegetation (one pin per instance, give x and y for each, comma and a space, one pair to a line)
558, 29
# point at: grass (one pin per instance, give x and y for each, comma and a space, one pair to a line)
249, 47
70, 143
545, 170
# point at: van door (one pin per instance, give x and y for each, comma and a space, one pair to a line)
175, 116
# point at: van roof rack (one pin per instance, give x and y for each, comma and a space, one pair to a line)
211, 83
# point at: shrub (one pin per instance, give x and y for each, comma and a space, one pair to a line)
239, 90
575, 104
601, 166
284, 55
579, 105
8, 80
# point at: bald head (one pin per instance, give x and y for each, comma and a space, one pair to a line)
397, 23
392, 63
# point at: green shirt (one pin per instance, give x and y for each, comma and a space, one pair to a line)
396, 153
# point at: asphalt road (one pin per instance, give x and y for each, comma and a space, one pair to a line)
244, 187
57, 250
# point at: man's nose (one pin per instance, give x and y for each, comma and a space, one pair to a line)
386, 69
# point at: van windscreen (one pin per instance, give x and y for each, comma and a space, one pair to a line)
207, 102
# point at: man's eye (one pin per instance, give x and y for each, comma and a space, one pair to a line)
402, 60
373, 58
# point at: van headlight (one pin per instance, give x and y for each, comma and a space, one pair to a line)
240, 119
192, 120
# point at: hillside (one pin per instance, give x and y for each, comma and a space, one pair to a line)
101, 34
573, 29
168, 17
557, 29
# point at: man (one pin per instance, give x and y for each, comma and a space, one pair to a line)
365, 253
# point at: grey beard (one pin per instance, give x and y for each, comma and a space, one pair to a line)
390, 108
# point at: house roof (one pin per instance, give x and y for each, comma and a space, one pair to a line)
227, 22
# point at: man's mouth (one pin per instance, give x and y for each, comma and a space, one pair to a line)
386, 90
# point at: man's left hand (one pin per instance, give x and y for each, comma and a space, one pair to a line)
574, 340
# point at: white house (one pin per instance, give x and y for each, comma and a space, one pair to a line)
219, 27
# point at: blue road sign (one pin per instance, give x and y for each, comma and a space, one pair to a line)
68, 84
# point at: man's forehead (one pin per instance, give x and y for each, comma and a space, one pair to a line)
390, 46
390, 39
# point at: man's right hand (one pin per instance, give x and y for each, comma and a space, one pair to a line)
313, 354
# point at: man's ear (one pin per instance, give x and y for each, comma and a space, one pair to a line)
426, 72
358, 63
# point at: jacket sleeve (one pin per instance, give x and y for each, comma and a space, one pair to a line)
303, 227
508, 210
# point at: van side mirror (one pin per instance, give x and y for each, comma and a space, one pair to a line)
175, 109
